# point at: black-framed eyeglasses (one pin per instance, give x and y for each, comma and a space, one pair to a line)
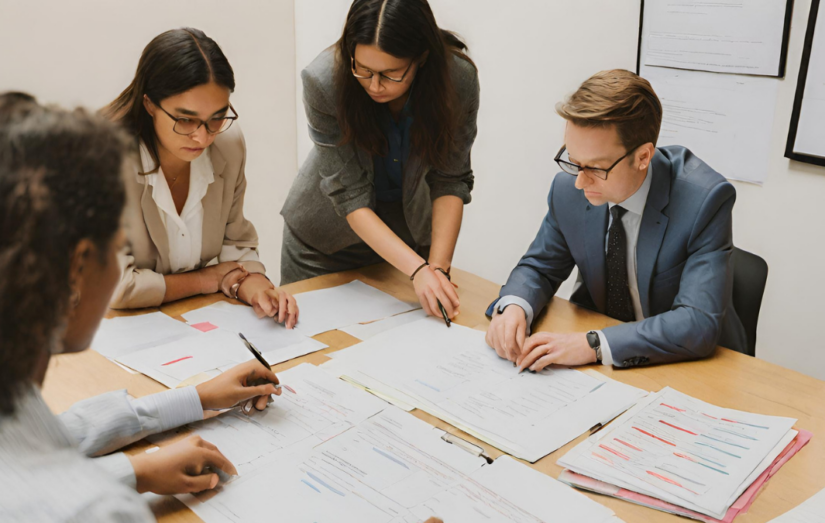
362, 73
563, 159
185, 125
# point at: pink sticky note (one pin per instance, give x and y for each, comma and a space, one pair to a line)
204, 326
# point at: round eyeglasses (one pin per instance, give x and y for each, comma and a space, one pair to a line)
186, 125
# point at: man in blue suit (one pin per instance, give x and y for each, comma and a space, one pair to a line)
649, 230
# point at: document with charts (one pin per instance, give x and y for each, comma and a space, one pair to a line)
452, 374
683, 451
392, 468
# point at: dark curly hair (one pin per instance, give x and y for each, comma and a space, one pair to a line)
60, 182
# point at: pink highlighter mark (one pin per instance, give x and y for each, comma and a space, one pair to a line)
204, 326
646, 433
677, 428
290, 389
616, 452
659, 476
175, 361
626, 444
671, 407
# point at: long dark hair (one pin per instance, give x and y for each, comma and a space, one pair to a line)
172, 63
404, 29
60, 182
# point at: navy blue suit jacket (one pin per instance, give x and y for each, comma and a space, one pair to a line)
683, 260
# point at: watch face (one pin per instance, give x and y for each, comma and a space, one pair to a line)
593, 339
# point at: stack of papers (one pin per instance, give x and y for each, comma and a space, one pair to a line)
170, 351
452, 374
174, 362
277, 343
356, 302
118, 337
697, 458
330, 452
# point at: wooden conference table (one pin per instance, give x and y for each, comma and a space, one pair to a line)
727, 379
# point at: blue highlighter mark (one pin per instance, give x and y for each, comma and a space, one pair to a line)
712, 468
726, 442
310, 485
392, 458
717, 449
428, 385
597, 387
325, 484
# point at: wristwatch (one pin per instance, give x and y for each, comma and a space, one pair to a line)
595, 344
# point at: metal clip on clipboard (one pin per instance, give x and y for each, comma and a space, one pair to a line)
472, 448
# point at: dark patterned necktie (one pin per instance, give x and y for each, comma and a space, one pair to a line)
619, 304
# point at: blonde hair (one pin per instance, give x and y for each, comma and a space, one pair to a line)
619, 98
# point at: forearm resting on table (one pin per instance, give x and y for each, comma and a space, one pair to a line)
447, 214
372, 229
183, 285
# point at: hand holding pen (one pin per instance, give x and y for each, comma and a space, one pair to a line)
247, 381
436, 293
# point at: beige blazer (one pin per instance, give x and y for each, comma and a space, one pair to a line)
145, 260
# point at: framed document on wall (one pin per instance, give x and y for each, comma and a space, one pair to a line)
746, 37
806, 137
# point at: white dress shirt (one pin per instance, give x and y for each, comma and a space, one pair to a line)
632, 221
185, 230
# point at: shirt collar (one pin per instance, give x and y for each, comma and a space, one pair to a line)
201, 174
636, 202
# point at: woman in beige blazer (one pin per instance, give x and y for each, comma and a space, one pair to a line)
184, 220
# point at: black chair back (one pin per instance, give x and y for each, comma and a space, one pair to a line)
750, 274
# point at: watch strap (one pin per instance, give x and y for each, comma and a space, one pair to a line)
595, 344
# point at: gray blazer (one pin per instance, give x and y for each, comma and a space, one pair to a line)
684, 268
337, 180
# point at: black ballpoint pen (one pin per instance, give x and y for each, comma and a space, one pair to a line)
443, 313
258, 356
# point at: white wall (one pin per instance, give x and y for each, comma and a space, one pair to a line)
85, 52
533, 54
783, 222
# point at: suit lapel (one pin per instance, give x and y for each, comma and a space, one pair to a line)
595, 229
154, 224
652, 229
213, 227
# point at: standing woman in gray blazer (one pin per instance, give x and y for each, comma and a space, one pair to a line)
391, 109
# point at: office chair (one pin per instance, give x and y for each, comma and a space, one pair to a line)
750, 274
